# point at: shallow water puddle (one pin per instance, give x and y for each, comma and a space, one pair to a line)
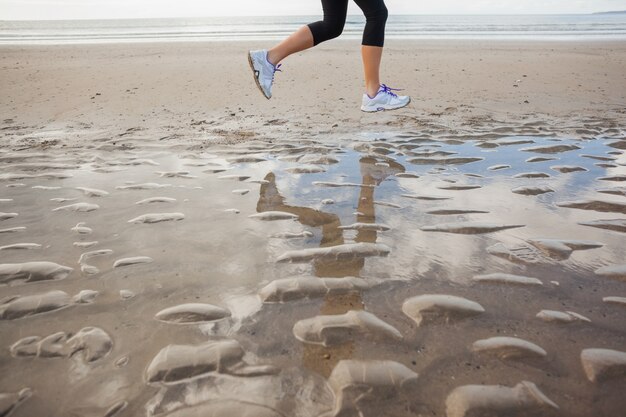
390, 275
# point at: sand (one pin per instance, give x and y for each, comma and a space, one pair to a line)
192, 92
173, 244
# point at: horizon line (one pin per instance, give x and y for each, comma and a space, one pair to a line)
302, 15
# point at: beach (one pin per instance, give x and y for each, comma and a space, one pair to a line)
199, 89
174, 244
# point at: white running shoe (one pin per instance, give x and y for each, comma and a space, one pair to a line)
385, 99
263, 71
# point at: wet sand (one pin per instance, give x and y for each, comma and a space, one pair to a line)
383, 267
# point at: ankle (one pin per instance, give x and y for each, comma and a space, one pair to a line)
272, 58
372, 89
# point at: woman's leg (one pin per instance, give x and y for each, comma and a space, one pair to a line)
373, 41
298, 41
372, 55
306, 37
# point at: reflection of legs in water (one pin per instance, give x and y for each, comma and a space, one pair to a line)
319, 358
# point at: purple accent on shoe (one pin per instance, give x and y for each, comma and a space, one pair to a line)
276, 67
370, 97
388, 90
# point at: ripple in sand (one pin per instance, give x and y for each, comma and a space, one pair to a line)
438, 307
175, 174
599, 157
143, 186
550, 149
10, 401
501, 278
596, 205
21, 246
407, 174
562, 249
180, 362
444, 161
93, 342
126, 294
49, 176
340, 184
561, 316
242, 191
152, 200
292, 235
94, 253
614, 271
84, 245
449, 212
62, 200
305, 169
387, 204
497, 400
613, 191
92, 192
564, 169
85, 297
318, 160
13, 230
603, 364
519, 254
215, 170
45, 188
7, 216
468, 228
33, 272
498, 167
192, 313
378, 227
509, 348
530, 190
540, 159
459, 187
426, 197
616, 178
605, 165
157, 218
81, 229
29, 305
232, 210
616, 225
132, 261
337, 329
247, 159
532, 175
78, 207
340, 252
615, 300
227, 408
618, 144
379, 381
234, 177
274, 215
296, 288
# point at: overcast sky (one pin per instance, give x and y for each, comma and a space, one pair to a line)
100, 9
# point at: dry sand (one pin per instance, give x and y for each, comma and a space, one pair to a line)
203, 91
171, 242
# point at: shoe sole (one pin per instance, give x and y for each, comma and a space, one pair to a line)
383, 108
254, 75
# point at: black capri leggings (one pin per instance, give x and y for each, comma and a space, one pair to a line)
335, 12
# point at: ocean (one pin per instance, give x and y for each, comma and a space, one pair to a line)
508, 27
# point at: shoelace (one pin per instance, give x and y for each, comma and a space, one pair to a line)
276, 69
388, 90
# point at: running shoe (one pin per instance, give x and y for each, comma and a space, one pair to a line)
263, 71
385, 99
